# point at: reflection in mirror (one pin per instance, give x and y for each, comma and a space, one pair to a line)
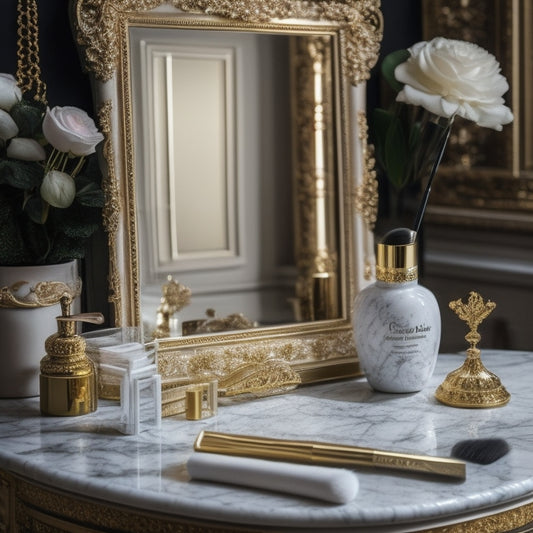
215, 181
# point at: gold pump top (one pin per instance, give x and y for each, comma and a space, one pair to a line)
65, 349
68, 380
397, 261
66, 323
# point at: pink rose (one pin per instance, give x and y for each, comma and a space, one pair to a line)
71, 130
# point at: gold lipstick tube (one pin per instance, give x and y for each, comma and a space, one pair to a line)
327, 454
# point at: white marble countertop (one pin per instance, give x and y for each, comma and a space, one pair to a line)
85, 455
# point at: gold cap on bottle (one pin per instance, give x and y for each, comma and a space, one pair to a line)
397, 257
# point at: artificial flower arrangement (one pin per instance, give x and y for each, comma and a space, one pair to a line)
50, 194
434, 81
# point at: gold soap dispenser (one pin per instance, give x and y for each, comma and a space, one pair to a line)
68, 376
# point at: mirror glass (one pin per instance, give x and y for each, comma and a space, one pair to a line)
212, 131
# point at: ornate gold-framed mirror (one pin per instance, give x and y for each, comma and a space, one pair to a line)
486, 177
133, 50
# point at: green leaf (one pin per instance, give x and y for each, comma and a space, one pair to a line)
12, 246
79, 229
395, 153
66, 249
29, 117
89, 193
33, 207
20, 174
381, 121
389, 64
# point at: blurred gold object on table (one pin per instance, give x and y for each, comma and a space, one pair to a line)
175, 297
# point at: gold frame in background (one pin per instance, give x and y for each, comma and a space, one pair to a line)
486, 178
316, 350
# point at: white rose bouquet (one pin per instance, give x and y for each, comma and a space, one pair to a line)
434, 82
50, 194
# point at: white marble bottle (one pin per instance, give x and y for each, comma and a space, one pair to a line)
396, 321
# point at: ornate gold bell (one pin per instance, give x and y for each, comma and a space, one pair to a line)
472, 385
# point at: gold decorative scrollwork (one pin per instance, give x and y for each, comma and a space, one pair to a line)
366, 194
223, 359
42, 294
98, 21
111, 210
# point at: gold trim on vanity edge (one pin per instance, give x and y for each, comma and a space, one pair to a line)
318, 350
29, 506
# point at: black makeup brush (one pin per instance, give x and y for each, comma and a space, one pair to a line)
480, 451
425, 197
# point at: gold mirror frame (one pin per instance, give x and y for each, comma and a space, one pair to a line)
486, 179
316, 350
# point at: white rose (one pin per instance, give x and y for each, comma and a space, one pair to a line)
10, 93
58, 189
449, 77
8, 127
70, 129
25, 149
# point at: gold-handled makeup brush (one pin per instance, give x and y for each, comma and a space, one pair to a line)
326, 454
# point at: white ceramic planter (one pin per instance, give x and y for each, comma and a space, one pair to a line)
29, 303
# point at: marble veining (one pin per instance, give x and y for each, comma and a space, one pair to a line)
86, 455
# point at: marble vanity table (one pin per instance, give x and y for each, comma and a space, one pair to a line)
80, 474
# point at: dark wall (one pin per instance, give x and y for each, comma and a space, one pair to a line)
402, 28
60, 66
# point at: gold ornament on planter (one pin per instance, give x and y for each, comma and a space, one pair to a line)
472, 385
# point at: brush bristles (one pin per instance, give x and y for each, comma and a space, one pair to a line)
480, 451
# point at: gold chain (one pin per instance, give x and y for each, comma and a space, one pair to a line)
28, 69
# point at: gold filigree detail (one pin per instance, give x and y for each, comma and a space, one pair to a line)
45, 510
244, 372
234, 377
472, 385
42, 294
97, 23
396, 275
303, 353
31, 504
473, 313
366, 194
272, 376
111, 210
